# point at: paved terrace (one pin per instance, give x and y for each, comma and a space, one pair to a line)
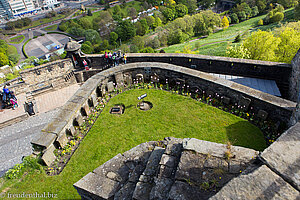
15, 139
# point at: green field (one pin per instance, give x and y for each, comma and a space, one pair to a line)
172, 115
17, 39
228, 35
51, 28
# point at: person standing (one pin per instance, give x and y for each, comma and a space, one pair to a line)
13, 100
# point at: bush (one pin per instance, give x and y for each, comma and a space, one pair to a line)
147, 50
277, 17
234, 18
242, 16
237, 39
260, 22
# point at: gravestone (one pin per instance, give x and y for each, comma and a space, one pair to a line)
127, 79
244, 103
140, 78
154, 78
119, 78
48, 157
110, 86
262, 114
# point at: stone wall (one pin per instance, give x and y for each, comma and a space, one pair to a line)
294, 90
55, 133
280, 72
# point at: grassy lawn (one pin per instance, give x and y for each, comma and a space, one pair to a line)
51, 28
171, 115
17, 39
42, 21
229, 34
217, 49
11, 50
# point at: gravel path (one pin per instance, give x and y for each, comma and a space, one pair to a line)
15, 140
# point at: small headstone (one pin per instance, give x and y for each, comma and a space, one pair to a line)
225, 100
155, 78
119, 78
110, 86
103, 90
244, 103
127, 79
48, 157
62, 140
140, 78
79, 120
262, 114
72, 131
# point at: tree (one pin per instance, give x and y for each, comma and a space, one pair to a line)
138, 41
77, 31
116, 10
92, 36
261, 4
150, 21
175, 36
225, 22
89, 12
237, 39
277, 17
297, 12
14, 58
85, 23
169, 14
288, 3
187, 49
254, 11
124, 48
262, 45
132, 12
238, 51
289, 45
155, 43
181, 10
157, 22
260, 22
3, 59
242, 16
63, 26
126, 30
200, 26
147, 50
113, 38
145, 26
134, 49
190, 4
234, 18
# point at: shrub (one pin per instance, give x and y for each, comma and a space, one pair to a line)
260, 22
277, 17
237, 39
234, 18
147, 50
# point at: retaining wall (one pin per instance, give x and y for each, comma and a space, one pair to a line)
55, 133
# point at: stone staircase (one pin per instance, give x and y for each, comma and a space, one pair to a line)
168, 169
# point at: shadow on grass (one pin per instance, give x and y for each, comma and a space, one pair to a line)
247, 135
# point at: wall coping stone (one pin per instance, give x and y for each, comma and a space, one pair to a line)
284, 155
260, 184
45, 139
218, 150
44, 65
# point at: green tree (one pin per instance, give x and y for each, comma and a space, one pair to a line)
254, 11
225, 22
113, 38
157, 22
175, 37
134, 49
155, 43
288, 3
126, 30
262, 45
85, 23
190, 4
200, 26
89, 12
14, 58
63, 26
277, 17
3, 59
117, 10
85, 48
76, 31
169, 14
181, 10
92, 36
261, 4
297, 12
132, 12
242, 15
150, 21
147, 50
260, 22
234, 18
138, 41
238, 51
237, 39
289, 45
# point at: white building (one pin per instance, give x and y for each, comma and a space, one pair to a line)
21, 7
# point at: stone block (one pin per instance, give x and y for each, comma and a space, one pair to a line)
86, 108
94, 100
56, 126
110, 86
165, 171
260, 184
48, 156
174, 149
93, 186
125, 192
45, 140
225, 100
119, 78
79, 119
72, 131
103, 90
114, 169
210, 93
262, 114
167, 160
136, 173
142, 190
284, 155
161, 188
77, 100
140, 152
244, 103
62, 139
183, 191
128, 79
152, 164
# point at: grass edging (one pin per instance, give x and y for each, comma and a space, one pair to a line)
23, 48
17, 37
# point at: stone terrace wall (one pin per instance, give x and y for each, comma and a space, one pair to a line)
55, 133
280, 72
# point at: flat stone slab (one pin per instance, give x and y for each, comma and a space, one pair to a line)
261, 184
218, 150
45, 140
48, 157
284, 155
97, 187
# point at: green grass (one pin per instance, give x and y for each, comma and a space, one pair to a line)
217, 49
11, 50
230, 33
17, 39
171, 115
51, 28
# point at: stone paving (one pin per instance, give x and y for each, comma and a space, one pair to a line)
15, 139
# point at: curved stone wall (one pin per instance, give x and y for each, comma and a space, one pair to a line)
55, 133
280, 72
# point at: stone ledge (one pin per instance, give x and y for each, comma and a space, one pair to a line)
218, 150
45, 140
283, 155
261, 184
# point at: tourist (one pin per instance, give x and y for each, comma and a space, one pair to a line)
114, 59
13, 100
106, 58
5, 93
124, 58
